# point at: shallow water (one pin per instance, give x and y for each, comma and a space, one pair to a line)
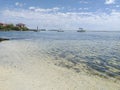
99, 52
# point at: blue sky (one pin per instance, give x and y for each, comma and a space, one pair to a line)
65, 14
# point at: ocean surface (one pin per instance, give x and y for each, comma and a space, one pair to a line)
97, 52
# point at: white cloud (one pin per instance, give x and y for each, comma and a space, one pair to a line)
117, 6
86, 8
110, 1
32, 8
19, 4
78, 9
83, 2
44, 10
68, 20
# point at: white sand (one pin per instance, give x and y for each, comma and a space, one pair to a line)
21, 70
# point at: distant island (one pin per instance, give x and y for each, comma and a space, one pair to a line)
9, 27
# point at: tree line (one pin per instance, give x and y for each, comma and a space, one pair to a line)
9, 27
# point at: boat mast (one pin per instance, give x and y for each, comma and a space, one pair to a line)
37, 28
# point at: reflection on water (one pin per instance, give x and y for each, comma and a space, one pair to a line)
95, 52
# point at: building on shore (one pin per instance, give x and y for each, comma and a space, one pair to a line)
17, 27
3, 24
21, 25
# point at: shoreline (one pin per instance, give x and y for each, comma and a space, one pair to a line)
27, 70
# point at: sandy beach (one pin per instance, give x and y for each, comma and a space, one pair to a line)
21, 68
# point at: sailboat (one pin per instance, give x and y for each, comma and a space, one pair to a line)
36, 30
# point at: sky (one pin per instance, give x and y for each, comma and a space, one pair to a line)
62, 14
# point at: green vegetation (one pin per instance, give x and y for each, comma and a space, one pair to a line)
8, 27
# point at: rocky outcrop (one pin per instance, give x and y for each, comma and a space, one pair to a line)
3, 39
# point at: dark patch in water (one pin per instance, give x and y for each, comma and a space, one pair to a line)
64, 65
77, 70
102, 61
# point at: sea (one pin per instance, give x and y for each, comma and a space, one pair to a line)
97, 52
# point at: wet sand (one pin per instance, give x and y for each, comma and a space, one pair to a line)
22, 68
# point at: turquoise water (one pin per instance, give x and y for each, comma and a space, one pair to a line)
98, 51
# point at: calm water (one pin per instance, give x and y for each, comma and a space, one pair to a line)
98, 51
68, 35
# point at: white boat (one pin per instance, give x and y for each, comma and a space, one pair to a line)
60, 31
81, 30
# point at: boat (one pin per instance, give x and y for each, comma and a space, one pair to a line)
42, 30
60, 30
81, 30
